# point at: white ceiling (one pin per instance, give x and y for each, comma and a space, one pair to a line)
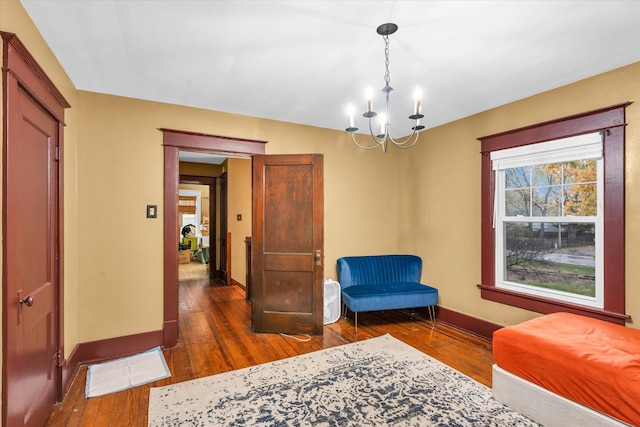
197, 157
304, 61
202, 157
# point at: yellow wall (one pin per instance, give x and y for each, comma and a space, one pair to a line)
424, 201
239, 202
440, 200
117, 133
200, 169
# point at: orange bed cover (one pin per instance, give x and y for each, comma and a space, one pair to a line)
589, 361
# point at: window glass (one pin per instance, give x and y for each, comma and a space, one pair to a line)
551, 256
547, 200
517, 202
518, 177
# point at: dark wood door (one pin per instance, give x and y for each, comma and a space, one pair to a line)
287, 244
31, 267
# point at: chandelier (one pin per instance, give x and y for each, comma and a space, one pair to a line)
382, 138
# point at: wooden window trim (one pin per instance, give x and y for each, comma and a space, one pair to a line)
610, 121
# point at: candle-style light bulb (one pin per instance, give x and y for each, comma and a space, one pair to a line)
417, 95
350, 114
383, 122
369, 95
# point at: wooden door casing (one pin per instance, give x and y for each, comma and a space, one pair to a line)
287, 244
223, 272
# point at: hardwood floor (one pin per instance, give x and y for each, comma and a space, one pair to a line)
215, 336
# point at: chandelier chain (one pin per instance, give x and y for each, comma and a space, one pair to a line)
387, 78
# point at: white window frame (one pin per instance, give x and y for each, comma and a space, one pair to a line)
587, 146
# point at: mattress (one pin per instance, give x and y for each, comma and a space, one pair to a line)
543, 406
589, 361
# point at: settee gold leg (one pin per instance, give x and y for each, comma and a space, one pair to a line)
432, 315
345, 310
356, 322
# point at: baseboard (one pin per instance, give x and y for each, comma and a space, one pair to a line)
236, 283
170, 333
469, 324
463, 322
113, 348
70, 367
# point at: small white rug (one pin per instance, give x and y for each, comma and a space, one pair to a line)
378, 382
121, 374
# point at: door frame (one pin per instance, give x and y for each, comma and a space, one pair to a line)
173, 142
224, 273
19, 68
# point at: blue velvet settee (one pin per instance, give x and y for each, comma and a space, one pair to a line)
384, 282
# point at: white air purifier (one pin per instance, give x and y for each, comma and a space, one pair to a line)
331, 301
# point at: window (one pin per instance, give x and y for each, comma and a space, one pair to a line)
548, 219
553, 216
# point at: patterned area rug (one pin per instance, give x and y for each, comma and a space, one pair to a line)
378, 382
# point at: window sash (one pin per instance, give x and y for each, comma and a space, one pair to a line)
500, 239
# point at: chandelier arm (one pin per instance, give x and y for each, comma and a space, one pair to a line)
403, 144
380, 139
355, 141
382, 142
374, 136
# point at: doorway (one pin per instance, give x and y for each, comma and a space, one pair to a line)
174, 141
197, 197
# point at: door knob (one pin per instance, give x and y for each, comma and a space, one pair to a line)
28, 301
318, 257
